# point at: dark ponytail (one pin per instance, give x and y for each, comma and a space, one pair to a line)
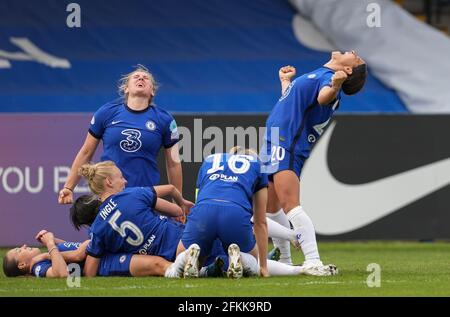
355, 82
84, 210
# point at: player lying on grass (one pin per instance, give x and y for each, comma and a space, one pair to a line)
54, 263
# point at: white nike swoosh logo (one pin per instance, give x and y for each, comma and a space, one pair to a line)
337, 208
115, 122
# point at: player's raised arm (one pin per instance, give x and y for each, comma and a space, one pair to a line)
327, 94
286, 74
59, 266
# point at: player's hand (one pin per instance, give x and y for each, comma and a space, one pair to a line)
45, 237
338, 79
181, 219
264, 272
40, 235
286, 73
65, 196
187, 205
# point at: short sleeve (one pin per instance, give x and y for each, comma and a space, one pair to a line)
325, 80
40, 269
95, 247
97, 126
262, 181
149, 196
170, 132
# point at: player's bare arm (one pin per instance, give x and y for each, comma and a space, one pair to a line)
286, 74
328, 94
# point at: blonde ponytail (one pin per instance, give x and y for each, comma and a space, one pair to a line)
95, 174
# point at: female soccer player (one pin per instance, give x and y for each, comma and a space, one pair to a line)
53, 263
294, 125
132, 131
126, 220
231, 189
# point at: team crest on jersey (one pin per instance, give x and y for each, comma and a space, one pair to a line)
150, 125
311, 76
37, 270
122, 258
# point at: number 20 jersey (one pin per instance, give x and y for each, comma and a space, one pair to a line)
299, 118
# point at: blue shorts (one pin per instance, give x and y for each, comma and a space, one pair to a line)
276, 159
115, 265
211, 220
166, 246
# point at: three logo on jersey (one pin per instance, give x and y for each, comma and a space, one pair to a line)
133, 141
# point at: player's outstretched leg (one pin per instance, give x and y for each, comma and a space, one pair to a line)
191, 265
319, 270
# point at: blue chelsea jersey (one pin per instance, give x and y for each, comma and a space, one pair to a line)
132, 139
298, 117
126, 222
233, 178
40, 269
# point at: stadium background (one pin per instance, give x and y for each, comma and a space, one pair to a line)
218, 61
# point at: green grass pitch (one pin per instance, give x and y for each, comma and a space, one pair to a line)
407, 269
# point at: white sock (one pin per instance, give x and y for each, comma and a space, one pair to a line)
249, 264
278, 269
299, 219
283, 245
175, 270
278, 231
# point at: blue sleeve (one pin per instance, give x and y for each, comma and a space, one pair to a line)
149, 196
95, 247
40, 269
262, 181
325, 80
97, 127
170, 131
